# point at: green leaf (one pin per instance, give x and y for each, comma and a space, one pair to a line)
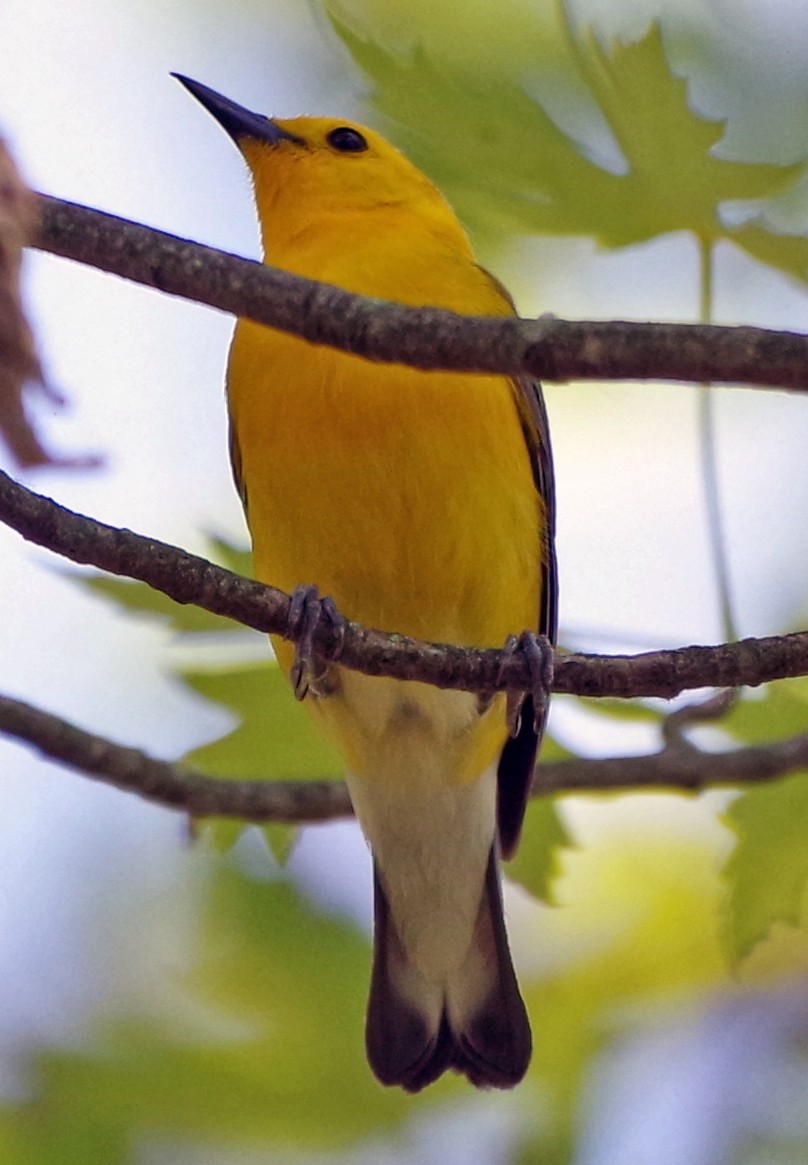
674, 180
493, 149
767, 873
138, 598
537, 861
274, 738
551, 748
787, 252
231, 557
281, 840
777, 711
503, 159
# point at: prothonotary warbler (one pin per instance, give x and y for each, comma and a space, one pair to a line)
421, 503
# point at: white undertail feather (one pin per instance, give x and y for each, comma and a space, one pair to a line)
431, 843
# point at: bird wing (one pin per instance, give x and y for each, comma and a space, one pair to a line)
235, 465
518, 760
533, 415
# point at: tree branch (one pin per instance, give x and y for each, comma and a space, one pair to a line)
166, 784
676, 767
187, 578
546, 348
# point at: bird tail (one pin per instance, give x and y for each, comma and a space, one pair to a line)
475, 1022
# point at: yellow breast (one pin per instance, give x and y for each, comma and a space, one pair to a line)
407, 496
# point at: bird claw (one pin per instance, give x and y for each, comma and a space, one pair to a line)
306, 609
538, 652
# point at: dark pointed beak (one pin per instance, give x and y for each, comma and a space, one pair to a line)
235, 119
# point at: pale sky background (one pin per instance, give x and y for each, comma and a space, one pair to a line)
89, 109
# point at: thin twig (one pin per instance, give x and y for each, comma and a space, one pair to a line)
166, 784
676, 723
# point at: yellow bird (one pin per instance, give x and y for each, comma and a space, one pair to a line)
422, 503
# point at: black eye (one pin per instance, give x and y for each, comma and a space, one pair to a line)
347, 140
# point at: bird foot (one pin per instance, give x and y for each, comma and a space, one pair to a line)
538, 652
308, 673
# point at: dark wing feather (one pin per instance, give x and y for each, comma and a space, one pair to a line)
235, 465
518, 760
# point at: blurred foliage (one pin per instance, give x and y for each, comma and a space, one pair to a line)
537, 862
268, 1053
274, 739
767, 874
651, 952
528, 175
266, 1049
255, 1046
181, 619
